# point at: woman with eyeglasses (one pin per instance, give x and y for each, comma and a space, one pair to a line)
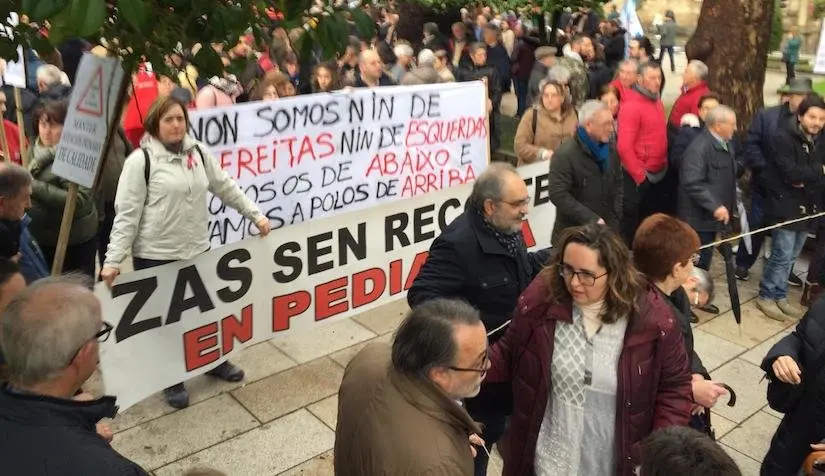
596, 359
669, 265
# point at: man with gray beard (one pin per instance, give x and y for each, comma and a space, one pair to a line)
481, 258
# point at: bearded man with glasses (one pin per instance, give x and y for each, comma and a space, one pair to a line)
481, 258
50, 337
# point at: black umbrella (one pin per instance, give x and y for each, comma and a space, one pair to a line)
730, 273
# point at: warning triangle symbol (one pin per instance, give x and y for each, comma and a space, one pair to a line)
91, 102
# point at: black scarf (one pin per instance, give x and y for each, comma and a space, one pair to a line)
512, 242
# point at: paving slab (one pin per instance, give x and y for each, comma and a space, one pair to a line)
721, 425
267, 450
321, 465
159, 442
386, 318
290, 390
748, 465
326, 410
309, 344
342, 357
258, 361
755, 328
758, 353
714, 350
753, 436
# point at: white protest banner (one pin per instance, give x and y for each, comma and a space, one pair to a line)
308, 157
13, 72
179, 320
92, 107
819, 62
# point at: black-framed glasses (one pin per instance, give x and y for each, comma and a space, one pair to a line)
518, 203
586, 278
485, 367
101, 336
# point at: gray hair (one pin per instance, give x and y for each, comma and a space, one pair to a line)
50, 75
559, 74
589, 109
426, 57
699, 68
489, 185
477, 46
425, 340
719, 114
646, 66
630, 62
704, 282
45, 325
13, 178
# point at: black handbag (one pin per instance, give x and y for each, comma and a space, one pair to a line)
784, 397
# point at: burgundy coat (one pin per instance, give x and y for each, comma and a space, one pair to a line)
654, 388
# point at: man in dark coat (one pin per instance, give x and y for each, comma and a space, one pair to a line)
481, 258
16, 242
497, 56
790, 363
758, 151
479, 69
707, 180
523, 61
794, 183
545, 58
586, 174
43, 431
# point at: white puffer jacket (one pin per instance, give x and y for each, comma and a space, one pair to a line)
168, 221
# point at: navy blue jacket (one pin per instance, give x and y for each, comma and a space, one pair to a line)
758, 147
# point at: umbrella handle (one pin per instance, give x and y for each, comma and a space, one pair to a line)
732, 399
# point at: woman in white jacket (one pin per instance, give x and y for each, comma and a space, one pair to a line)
161, 211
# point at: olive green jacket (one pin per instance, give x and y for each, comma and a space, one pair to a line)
49, 193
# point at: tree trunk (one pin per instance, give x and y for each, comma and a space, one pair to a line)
732, 39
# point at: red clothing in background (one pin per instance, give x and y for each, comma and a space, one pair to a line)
687, 103
642, 142
13, 139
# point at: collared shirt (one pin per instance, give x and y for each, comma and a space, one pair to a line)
725, 144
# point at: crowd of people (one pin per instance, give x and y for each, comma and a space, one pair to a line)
577, 359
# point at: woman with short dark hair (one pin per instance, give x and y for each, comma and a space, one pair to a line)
49, 193
596, 360
161, 210
668, 264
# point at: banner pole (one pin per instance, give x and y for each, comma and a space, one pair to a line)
4, 140
65, 229
18, 105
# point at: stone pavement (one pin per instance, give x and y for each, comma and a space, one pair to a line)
281, 420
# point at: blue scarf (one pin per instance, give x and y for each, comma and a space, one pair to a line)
601, 152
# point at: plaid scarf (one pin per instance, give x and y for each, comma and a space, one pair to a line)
512, 242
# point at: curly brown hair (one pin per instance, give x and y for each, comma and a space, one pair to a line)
625, 285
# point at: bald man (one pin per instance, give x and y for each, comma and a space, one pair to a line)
371, 71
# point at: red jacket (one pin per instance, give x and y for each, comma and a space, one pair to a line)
642, 135
13, 139
619, 87
654, 388
687, 103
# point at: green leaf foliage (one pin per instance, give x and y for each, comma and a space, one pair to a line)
148, 30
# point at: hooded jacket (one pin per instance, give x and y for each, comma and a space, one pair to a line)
168, 219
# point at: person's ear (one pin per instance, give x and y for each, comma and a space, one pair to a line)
489, 206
